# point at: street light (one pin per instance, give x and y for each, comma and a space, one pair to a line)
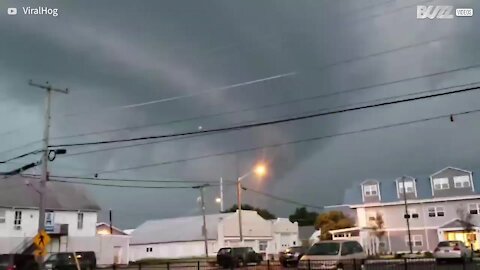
259, 170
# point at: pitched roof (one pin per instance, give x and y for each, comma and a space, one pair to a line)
457, 223
388, 188
180, 229
107, 226
14, 192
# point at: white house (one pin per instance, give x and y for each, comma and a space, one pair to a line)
70, 219
182, 237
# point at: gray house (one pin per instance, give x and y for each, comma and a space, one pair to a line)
442, 206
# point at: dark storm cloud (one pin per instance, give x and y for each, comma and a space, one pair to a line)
118, 53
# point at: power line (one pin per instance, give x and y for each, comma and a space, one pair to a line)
294, 100
244, 122
21, 156
120, 186
265, 123
445, 116
20, 147
282, 199
124, 180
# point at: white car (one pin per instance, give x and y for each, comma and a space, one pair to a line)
449, 250
335, 254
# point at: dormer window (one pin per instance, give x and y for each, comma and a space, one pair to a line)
461, 181
408, 188
440, 183
370, 190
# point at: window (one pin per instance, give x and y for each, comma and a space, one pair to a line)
440, 183
370, 190
371, 218
474, 208
48, 218
80, 221
413, 212
461, 181
17, 222
409, 187
436, 211
417, 240
149, 249
2, 215
262, 245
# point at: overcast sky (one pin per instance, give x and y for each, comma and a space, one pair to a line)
116, 53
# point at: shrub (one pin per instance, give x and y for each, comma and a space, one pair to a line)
428, 254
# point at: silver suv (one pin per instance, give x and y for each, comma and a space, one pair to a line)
335, 254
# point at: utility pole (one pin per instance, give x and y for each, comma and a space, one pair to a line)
407, 216
221, 195
204, 227
239, 201
46, 134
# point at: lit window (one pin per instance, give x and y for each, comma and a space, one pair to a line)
409, 187
440, 183
461, 181
370, 190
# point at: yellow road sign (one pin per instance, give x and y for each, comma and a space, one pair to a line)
41, 240
40, 252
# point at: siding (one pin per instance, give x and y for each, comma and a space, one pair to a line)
452, 191
397, 240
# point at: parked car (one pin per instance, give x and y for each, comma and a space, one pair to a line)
66, 261
452, 250
18, 262
237, 256
334, 254
291, 256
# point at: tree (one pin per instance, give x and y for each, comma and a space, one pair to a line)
303, 217
379, 232
264, 213
332, 220
465, 219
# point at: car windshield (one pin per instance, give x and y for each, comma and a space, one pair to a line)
324, 249
224, 251
449, 243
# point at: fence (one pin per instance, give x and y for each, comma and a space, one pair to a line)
394, 264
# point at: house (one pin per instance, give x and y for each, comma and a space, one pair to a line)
182, 237
70, 214
442, 206
70, 219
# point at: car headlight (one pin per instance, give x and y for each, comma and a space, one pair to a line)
48, 266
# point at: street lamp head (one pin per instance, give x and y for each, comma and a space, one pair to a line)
260, 170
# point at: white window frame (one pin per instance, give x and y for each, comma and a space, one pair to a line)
413, 211
462, 181
436, 211
49, 218
17, 221
409, 186
80, 217
264, 244
475, 207
368, 190
3, 215
441, 183
415, 240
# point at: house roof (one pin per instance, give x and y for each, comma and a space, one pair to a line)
21, 192
457, 223
388, 188
304, 232
103, 224
182, 229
